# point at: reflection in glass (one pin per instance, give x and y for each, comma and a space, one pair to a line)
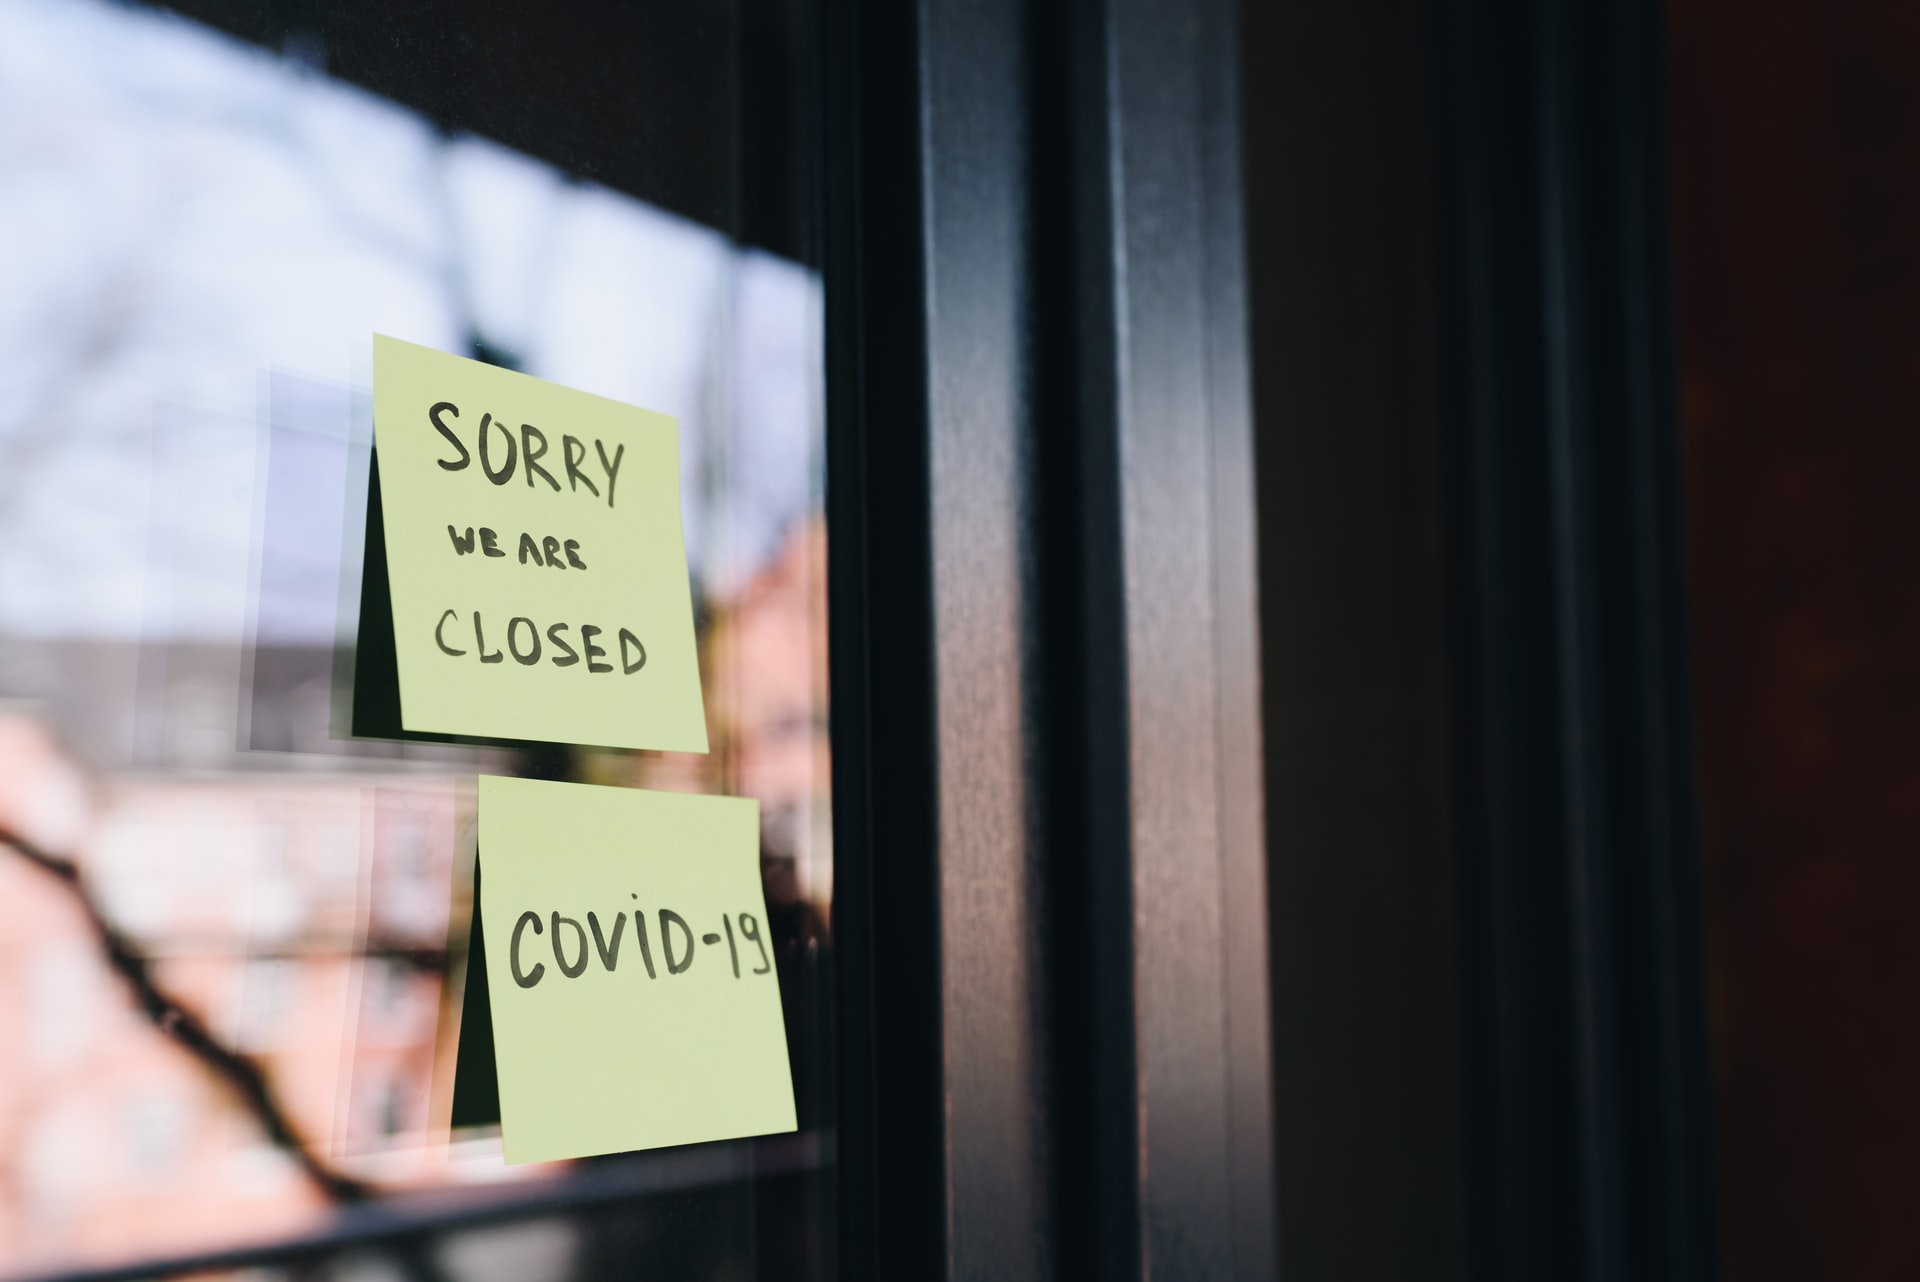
233, 943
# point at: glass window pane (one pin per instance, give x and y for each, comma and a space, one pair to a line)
233, 939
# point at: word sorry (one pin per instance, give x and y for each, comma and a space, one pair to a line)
678, 959
525, 452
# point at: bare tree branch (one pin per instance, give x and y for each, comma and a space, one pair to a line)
240, 1073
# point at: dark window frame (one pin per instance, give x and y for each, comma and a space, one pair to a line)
1050, 885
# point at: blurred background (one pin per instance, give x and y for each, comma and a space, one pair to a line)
233, 948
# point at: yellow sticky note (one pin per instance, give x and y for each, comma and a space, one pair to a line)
536, 560
629, 968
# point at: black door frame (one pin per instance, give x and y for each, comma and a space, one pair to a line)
1052, 852
1050, 903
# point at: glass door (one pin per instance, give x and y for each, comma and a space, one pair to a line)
236, 943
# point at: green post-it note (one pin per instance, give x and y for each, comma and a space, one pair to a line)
629, 969
537, 564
